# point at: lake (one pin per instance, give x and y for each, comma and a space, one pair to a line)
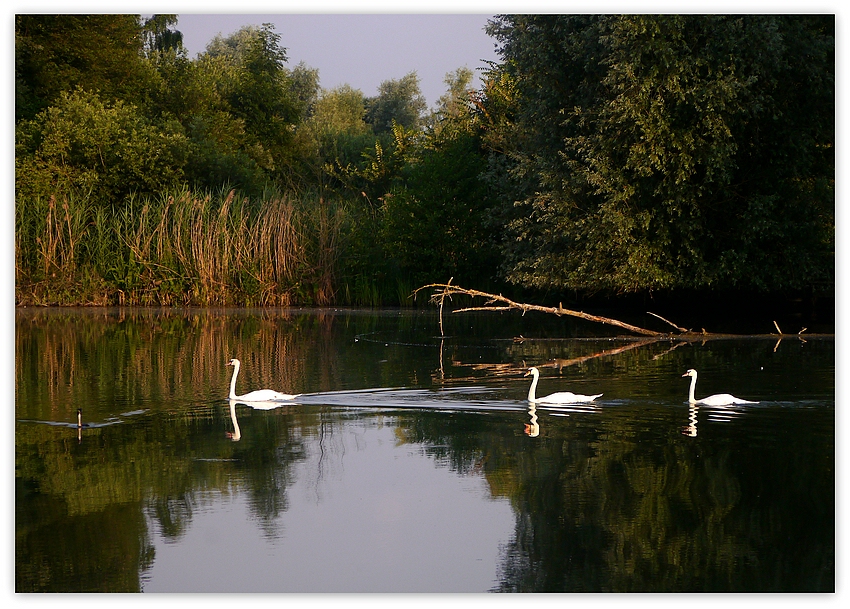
412, 461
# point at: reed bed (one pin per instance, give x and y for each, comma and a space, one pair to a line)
178, 249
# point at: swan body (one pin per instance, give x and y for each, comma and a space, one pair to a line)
260, 395
561, 397
720, 399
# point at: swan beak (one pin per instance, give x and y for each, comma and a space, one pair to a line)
686, 374
528, 373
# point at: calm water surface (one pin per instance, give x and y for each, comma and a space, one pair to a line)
411, 462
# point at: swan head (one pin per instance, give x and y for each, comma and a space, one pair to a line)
532, 372
690, 372
233, 362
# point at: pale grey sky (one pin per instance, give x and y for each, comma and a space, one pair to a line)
363, 50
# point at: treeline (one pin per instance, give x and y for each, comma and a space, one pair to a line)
602, 154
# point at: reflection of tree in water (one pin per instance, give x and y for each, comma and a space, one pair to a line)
54, 553
264, 459
174, 514
601, 516
598, 507
605, 507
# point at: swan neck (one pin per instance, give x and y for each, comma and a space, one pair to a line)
233, 381
532, 390
691, 397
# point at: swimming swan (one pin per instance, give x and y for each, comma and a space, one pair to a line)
720, 399
261, 395
562, 397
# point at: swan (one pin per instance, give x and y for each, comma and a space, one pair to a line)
260, 395
562, 397
720, 399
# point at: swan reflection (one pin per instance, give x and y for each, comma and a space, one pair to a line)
236, 434
691, 428
532, 429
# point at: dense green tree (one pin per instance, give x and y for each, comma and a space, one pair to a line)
436, 224
398, 101
662, 151
159, 37
103, 151
243, 114
58, 53
304, 84
337, 129
454, 106
436, 227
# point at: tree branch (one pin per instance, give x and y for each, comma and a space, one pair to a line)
446, 290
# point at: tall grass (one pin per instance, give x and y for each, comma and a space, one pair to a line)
178, 249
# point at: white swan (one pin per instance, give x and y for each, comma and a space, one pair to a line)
720, 399
260, 395
562, 397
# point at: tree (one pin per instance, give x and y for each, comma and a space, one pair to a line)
455, 105
244, 112
304, 85
437, 221
663, 151
57, 53
104, 151
159, 38
398, 101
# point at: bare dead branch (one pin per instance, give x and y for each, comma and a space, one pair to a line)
446, 290
667, 321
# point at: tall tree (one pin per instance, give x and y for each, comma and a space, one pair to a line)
664, 151
244, 132
57, 53
399, 101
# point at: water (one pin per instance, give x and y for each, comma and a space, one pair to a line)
413, 463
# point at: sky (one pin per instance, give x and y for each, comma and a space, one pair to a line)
363, 50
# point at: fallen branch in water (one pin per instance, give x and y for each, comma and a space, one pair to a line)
500, 303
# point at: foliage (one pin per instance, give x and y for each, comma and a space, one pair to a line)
436, 226
656, 152
58, 53
398, 102
603, 153
177, 249
86, 146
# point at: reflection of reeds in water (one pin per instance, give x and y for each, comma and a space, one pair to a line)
116, 358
